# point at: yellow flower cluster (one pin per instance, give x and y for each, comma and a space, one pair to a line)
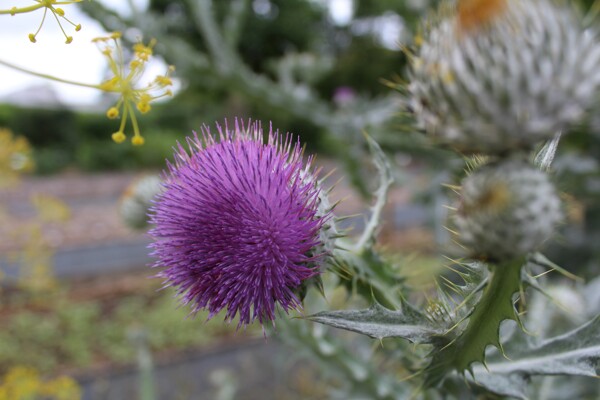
23, 383
47, 5
124, 82
15, 157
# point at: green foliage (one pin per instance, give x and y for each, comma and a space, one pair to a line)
76, 335
42, 127
575, 353
62, 138
101, 155
483, 328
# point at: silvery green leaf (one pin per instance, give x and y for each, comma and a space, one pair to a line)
574, 353
378, 322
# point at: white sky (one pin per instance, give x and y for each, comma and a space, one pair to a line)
78, 61
341, 11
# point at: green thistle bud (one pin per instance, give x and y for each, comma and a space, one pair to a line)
506, 210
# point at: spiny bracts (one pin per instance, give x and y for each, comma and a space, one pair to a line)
492, 76
506, 210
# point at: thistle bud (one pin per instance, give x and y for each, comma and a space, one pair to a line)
137, 199
506, 210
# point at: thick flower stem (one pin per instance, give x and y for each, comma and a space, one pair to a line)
495, 306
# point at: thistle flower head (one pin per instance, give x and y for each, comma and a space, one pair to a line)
492, 76
237, 226
125, 82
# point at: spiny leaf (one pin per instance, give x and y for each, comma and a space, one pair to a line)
475, 277
378, 322
544, 158
574, 353
494, 306
541, 260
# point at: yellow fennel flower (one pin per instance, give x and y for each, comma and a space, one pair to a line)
125, 81
48, 5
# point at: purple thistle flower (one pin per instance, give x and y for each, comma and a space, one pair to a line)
237, 224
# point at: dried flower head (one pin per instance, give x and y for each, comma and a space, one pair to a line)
493, 76
237, 225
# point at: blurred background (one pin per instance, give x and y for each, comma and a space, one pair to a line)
77, 298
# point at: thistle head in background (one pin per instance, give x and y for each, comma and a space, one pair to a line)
506, 210
137, 200
492, 76
238, 225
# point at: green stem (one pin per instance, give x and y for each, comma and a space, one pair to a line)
46, 76
483, 329
136, 129
23, 10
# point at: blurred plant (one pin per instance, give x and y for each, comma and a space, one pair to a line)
24, 383
139, 339
76, 335
15, 158
34, 257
